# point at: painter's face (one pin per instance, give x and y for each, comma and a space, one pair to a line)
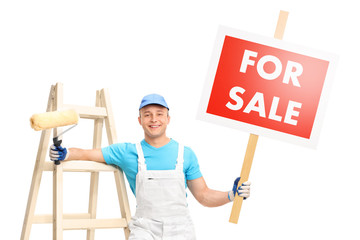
154, 120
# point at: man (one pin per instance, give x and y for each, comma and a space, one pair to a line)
158, 170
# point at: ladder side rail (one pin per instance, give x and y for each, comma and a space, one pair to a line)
37, 174
119, 175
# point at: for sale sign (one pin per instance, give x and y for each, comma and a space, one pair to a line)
267, 87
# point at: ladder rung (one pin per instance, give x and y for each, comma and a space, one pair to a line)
75, 224
87, 112
81, 166
82, 221
48, 218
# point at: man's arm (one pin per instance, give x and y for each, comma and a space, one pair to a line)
64, 154
85, 154
206, 196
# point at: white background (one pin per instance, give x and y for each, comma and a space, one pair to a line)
139, 47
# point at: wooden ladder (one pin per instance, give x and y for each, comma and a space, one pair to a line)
100, 113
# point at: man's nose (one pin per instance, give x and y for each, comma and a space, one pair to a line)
153, 119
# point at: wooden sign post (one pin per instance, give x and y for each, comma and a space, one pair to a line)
251, 147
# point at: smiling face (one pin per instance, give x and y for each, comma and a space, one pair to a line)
154, 120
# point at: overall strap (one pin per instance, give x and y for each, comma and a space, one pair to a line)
180, 159
141, 159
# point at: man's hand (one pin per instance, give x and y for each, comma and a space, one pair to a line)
58, 153
243, 190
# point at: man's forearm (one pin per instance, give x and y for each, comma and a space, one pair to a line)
214, 198
207, 196
86, 155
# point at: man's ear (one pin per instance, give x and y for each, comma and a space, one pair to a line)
139, 120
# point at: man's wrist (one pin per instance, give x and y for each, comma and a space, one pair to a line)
67, 155
231, 196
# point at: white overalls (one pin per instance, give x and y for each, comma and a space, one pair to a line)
161, 211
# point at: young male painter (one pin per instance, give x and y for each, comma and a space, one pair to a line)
158, 170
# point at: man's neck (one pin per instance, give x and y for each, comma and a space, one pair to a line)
157, 142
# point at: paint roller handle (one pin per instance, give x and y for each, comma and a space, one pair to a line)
57, 143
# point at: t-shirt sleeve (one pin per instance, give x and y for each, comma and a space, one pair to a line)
115, 154
192, 169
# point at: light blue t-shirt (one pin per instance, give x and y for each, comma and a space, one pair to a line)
124, 155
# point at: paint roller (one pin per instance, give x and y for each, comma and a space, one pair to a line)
48, 120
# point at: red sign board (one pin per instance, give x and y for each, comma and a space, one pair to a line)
266, 86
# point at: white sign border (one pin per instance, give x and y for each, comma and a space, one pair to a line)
261, 131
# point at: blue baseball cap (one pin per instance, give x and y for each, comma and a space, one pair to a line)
153, 99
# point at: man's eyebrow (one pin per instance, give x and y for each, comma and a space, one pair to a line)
159, 110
